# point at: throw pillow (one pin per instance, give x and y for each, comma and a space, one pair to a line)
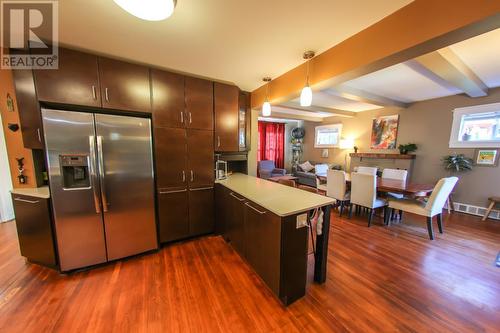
306, 166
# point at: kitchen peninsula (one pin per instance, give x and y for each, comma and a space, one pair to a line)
266, 223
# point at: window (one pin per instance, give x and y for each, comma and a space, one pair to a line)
476, 127
327, 136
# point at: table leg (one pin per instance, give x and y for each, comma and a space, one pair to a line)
488, 211
321, 257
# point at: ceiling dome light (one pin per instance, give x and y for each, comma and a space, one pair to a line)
150, 10
266, 107
306, 96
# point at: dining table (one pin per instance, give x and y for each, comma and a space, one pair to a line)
394, 186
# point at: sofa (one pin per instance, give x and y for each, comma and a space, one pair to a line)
309, 177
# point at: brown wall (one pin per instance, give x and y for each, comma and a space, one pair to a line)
14, 140
428, 124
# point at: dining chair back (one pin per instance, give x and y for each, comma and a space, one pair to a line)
287, 182
440, 195
363, 189
336, 186
398, 174
367, 170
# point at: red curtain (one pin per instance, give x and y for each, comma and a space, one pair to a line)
271, 144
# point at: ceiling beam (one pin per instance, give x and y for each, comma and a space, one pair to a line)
359, 95
316, 109
277, 114
392, 40
449, 67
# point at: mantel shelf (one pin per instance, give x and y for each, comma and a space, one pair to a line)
384, 156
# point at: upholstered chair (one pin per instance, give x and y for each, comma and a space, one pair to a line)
364, 194
433, 206
267, 169
367, 170
396, 174
337, 188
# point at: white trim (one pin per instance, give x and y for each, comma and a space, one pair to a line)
475, 210
458, 113
338, 125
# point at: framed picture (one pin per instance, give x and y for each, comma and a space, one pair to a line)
384, 132
486, 157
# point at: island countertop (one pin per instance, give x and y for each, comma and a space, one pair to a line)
280, 199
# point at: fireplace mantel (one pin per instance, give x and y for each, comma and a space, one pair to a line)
383, 156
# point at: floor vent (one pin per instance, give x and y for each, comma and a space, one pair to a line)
476, 210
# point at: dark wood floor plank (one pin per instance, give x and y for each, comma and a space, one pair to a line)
380, 279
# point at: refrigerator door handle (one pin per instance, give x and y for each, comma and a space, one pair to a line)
102, 178
93, 174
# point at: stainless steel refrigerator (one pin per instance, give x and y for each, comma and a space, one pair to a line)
102, 186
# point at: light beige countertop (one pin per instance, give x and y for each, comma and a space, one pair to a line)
280, 199
38, 192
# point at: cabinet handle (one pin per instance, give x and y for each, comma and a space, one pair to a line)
94, 94
174, 191
234, 196
201, 188
192, 175
39, 135
106, 94
258, 211
183, 176
28, 201
182, 117
218, 141
190, 118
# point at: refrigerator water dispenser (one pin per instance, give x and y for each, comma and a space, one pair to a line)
75, 171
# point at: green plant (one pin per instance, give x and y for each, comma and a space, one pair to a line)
407, 148
457, 163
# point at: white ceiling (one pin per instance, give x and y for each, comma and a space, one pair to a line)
327, 99
230, 40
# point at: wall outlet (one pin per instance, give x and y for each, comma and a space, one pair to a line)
301, 221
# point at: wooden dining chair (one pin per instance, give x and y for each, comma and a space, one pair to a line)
433, 206
287, 182
364, 194
308, 189
336, 188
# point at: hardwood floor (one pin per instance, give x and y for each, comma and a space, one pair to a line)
380, 279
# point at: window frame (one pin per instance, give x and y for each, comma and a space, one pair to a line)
318, 128
458, 114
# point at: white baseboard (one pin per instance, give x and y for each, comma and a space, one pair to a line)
475, 210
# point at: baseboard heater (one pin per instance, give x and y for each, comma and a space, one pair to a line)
475, 210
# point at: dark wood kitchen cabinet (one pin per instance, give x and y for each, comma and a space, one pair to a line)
124, 86
76, 81
226, 105
263, 243
34, 229
235, 224
200, 158
173, 210
168, 99
201, 211
171, 157
199, 103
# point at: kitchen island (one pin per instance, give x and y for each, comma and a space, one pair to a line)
266, 223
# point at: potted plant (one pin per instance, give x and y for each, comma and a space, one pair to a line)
457, 163
407, 148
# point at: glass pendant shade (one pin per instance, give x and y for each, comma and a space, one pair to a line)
151, 10
306, 96
266, 109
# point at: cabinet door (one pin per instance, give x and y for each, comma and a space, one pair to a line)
74, 82
201, 211
170, 157
34, 229
200, 158
222, 201
168, 99
124, 86
29, 110
199, 103
226, 117
173, 216
263, 236
235, 227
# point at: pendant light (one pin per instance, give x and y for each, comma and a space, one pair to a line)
306, 95
151, 10
266, 107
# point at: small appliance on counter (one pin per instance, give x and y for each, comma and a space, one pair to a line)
220, 169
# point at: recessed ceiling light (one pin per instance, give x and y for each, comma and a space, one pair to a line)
150, 10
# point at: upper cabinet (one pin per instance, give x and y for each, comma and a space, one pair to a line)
168, 99
74, 82
199, 104
124, 86
226, 98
